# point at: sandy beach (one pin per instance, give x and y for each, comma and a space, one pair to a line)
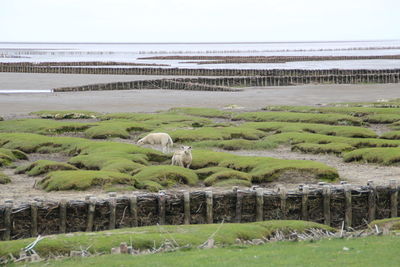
153, 100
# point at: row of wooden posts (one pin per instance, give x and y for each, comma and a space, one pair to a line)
234, 83
259, 208
31, 68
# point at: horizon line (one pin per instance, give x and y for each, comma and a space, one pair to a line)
233, 42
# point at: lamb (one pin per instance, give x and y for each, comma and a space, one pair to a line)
162, 139
183, 157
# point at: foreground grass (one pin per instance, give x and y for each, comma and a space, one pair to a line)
149, 236
369, 251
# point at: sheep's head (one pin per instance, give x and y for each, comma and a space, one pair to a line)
140, 142
187, 149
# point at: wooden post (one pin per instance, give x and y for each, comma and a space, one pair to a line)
283, 195
63, 215
91, 202
371, 201
239, 200
133, 210
259, 204
7, 219
304, 203
113, 207
34, 218
209, 209
393, 198
186, 207
161, 208
348, 217
326, 192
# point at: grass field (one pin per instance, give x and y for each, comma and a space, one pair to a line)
369, 251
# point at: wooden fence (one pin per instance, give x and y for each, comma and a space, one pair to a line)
322, 203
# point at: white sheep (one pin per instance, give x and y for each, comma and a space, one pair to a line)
183, 157
162, 139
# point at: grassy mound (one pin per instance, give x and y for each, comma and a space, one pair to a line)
164, 176
335, 119
201, 112
4, 179
297, 138
391, 224
394, 135
44, 166
66, 114
155, 118
150, 236
263, 169
282, 127
82, 180
42, 126
115, 128
216, 133
9, 155
383, 156
232, 175
206, 172
334, 148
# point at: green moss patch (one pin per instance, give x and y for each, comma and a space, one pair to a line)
335, 119
228, 175
383, 156
66, 114
391, 224
4, 179
281, 127
42, 126
334, 148
115, 128
43, 166
82, 180
216, 133
165, 176
391, 135
9, 155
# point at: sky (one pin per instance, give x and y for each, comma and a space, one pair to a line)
198, 21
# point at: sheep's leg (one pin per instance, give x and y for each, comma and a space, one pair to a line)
188, 166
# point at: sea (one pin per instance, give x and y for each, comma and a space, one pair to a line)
133, 52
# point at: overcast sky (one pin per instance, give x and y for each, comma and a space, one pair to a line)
197, 21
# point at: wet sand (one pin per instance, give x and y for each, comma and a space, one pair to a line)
153, 100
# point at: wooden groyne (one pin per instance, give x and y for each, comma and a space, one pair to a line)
30, 68
229, 84
323, 203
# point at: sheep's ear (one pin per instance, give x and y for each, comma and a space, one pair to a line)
183, 147
190, 147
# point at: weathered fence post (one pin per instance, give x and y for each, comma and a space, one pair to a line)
259, 204
161, 208
283, 196
91, 203
133, 210
186, 207
393, 198
371, 201
348, 216
34, 219
326, 192
113, 206
63, 215
209, 209
304, 203
238, 208
7, 219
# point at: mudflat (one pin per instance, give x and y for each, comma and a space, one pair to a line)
153, 100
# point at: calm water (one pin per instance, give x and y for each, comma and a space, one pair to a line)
43, 52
